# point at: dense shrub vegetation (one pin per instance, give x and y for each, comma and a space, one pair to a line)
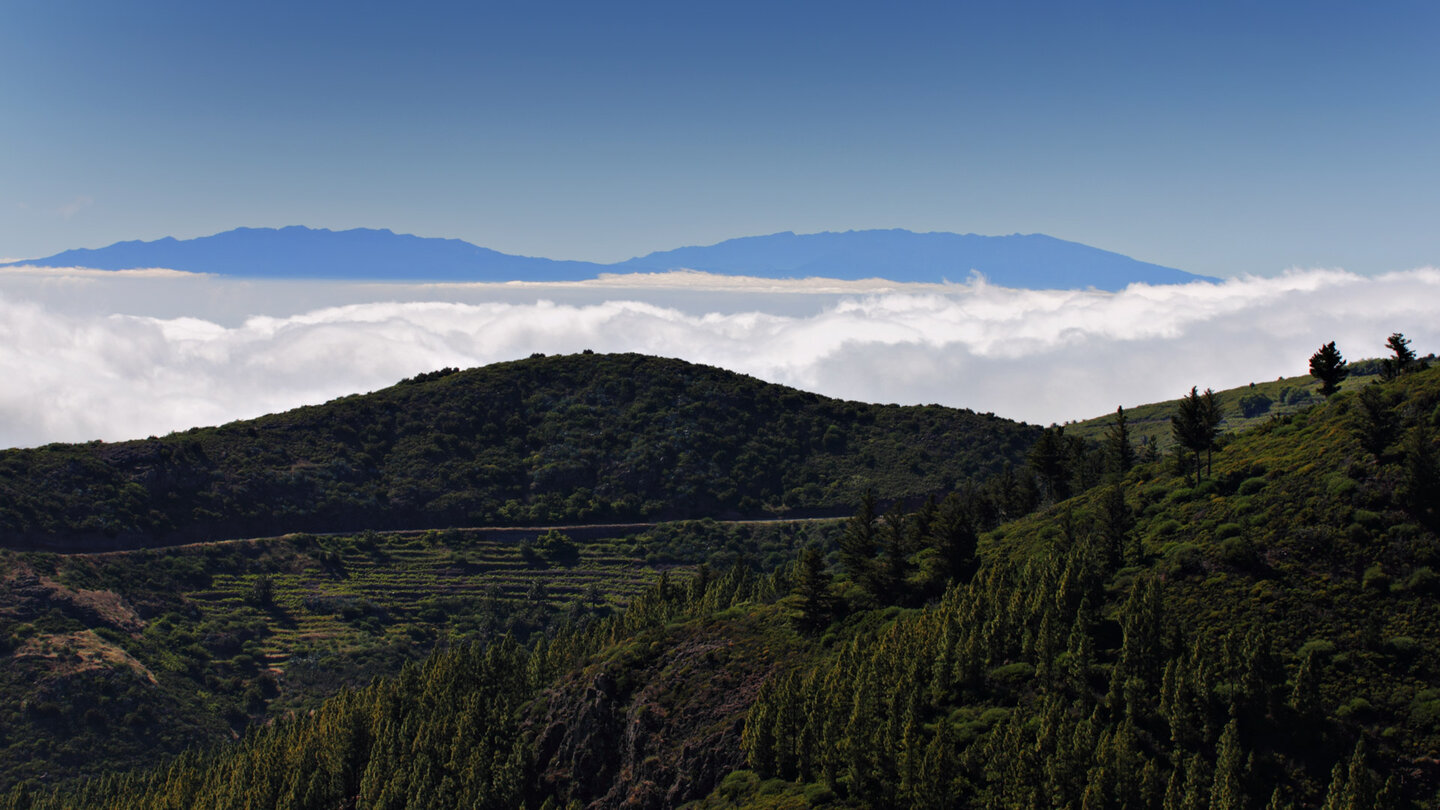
1095, 628
578, 439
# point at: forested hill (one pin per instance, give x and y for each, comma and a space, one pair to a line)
1259, 634
570, 439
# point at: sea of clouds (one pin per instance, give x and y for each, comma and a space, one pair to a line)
104, 355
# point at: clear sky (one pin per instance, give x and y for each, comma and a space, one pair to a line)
1220, 138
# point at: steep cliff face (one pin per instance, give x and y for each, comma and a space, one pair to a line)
656, 723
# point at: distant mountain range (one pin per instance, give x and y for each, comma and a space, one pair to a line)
1031, 261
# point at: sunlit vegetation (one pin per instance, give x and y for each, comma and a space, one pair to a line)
1085, 627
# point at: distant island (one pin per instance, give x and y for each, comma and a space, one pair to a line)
1027, 261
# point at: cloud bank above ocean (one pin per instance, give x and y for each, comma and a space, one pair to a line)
87, 355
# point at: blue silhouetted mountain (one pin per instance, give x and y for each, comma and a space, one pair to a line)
1032, 261
299, 252
1029, 261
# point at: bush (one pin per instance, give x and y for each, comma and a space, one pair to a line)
1425, 709
1340, 485
1403, 646
1225, 530
819, 794
1179, 560
1237, 552
1296, 396
556, 547
1375, 578
738, 785
262, 592
1358, 709
1368, 519
530, 556
1421, 580
1165, 528
1014, 674
1180, 495
1253, 405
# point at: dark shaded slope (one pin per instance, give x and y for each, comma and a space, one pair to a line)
583, 438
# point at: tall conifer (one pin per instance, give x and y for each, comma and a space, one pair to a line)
1327, 366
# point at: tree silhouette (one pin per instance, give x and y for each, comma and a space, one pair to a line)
1196, 423
1048, 459
1327, 366
858, 545
812, 585
1374, 420
1117, 436
1404, 360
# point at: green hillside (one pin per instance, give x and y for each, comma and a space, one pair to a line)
1243, 408
1267, 638
577, 439
1262, 637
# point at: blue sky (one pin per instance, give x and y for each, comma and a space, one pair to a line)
1223, 139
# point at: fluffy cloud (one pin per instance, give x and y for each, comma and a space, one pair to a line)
114, 357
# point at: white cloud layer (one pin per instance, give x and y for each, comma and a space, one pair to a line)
115, 357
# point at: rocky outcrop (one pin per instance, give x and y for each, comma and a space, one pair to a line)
655, 726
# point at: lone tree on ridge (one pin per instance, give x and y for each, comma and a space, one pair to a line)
1328, 367
1196, 424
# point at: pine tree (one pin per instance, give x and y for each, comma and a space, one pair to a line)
1197, 782
1420, 488
1049, 459
1116, 522
1117, 438
1389, 794
1335, 793
952, 535
812, 585
1327, 366
1152, 784
1374, 420
1195, 424
1404, 360
1175, 787
1278, 801
857, 546
1305, 693
1225, 791
1359, 791
1211, 417
894, 570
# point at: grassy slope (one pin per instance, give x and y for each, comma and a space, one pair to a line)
1288, 395
574, 439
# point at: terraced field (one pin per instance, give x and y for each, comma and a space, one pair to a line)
357, 594
256, 627
140, 653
